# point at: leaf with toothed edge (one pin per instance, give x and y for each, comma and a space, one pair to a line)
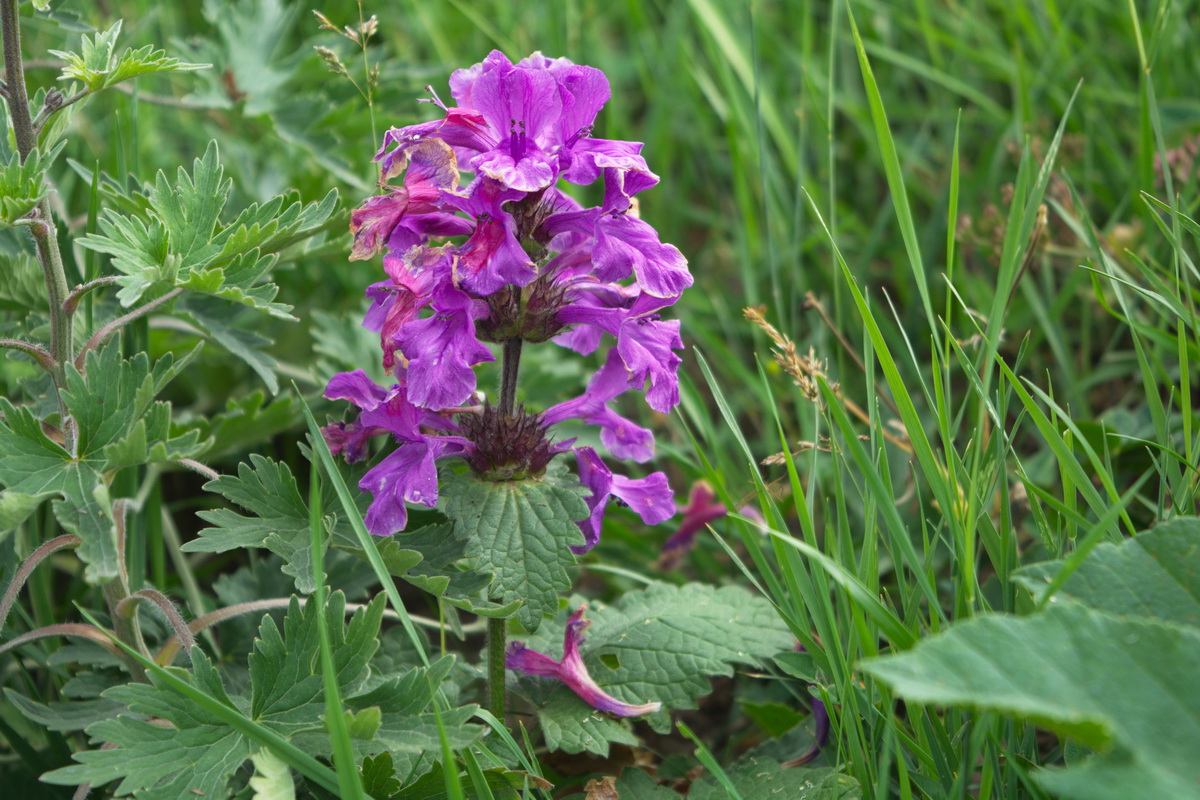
521, 532
658, 644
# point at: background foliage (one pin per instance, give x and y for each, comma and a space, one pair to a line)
977, 215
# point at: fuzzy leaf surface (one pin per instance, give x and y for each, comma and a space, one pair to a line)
661, 643
521, 532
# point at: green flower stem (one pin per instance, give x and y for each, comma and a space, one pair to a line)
509, 369
509, 366
496, 647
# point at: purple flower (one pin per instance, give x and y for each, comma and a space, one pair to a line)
407, 474
702, 508
442, 349
407, 216
820, 716
623, 438
492, 257
530, 265
651, 497
572, 671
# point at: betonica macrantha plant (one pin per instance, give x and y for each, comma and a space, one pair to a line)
484, 254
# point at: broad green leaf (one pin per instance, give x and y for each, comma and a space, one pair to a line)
98, 65
764, 779
521, 532
661, 643
1124, 686
1154, 574
379, 776
571, 725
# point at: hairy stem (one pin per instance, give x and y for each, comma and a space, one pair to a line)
45, 234
126, 628
72, 301
23, 572
108, 330
496, 647
509, 367
128, 608
38, 354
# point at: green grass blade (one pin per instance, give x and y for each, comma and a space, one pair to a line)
344, 761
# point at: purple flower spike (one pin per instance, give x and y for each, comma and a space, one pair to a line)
572, 671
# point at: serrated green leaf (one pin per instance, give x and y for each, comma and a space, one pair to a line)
170, 235
98, 65
661, 643
406, 726
278, 520
246, 421
1123, 685
571, 725
521, 532
285, 696
22, 287
765, 779
23, 184
379, 776
215, 320
1154, 574
64, 716
428, 559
